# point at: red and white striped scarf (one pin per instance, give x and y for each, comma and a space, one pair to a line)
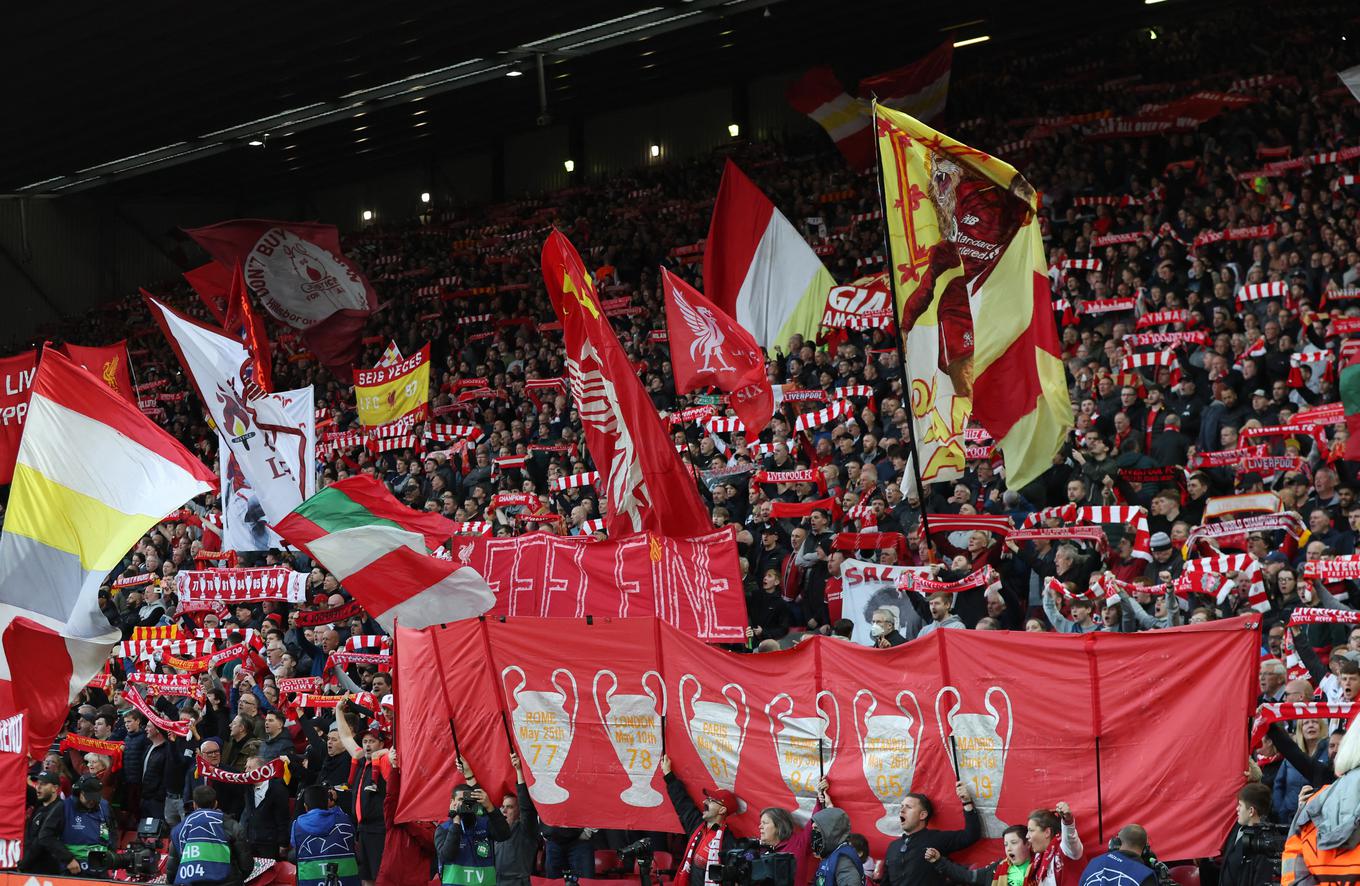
1166, 359
368, 641
444, 432
1080, 264
721, 424
592, 526
1098, 590
809, 420
471, 527
1269, 714
576, 481
1258, 291
391, 444
1243, 563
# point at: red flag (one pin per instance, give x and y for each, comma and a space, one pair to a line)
709, 348
242, 322
16, 380
212, 282
109, 364
299, 274
646, 485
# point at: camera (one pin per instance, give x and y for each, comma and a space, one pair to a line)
140, 860
467, 806
746, 865
640, 851
1264, 840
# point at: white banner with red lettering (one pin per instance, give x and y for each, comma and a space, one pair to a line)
242, 585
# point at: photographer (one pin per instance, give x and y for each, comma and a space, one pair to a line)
905, 863
208, 846
516, 853
1125, 864
463, 843
87, 825
841, 865
1235, 868
779, 833
323, 841
709, 837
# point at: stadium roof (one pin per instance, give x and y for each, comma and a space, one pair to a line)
167, 98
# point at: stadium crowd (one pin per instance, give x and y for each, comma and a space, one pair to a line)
1147, 436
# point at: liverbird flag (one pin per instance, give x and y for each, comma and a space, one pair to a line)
645, 484
108, 363
299, 274
260, 435
971, 286
93, 475
709, 348
759, 269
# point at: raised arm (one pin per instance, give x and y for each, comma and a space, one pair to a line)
346, 733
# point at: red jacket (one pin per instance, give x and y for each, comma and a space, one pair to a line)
408, 848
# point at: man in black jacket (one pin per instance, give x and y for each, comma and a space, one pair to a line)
265, 818
516, 853
1235, 868
709, 836
42, 841
905, 863
155, 773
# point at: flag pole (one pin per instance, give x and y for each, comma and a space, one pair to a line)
901, 342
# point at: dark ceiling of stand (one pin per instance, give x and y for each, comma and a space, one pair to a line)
93, 85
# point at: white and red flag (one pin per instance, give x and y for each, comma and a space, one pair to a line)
646, 486
759, 269
299, 274
710, 349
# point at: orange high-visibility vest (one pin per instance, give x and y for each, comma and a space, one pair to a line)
1304, 864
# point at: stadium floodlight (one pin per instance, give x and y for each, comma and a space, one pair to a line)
971, 40
424, 196
733, 130
255, 143
368, 215
569, 165
515, 72
655, 150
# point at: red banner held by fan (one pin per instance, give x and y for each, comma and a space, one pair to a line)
16, 378
588, 704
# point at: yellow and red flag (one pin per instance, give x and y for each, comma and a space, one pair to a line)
971, 288
390, 392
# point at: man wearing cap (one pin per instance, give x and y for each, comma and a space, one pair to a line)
1165, 558
43, 849
87, 823
370, 768
709, 836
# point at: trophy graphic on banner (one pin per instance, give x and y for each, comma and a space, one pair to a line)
799, 748
889, 744
976, 744
544, 730
633, 724
714, 729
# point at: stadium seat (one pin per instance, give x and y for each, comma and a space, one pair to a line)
606, 861
663, 862
1185, 874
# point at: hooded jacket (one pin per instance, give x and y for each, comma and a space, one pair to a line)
840, 865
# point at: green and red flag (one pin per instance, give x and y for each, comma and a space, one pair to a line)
382, 552
1350, 402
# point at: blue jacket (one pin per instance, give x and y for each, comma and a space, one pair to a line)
466, 854
323, 837
1284, 800
135, 747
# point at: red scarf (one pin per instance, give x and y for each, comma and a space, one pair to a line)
1050, 858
